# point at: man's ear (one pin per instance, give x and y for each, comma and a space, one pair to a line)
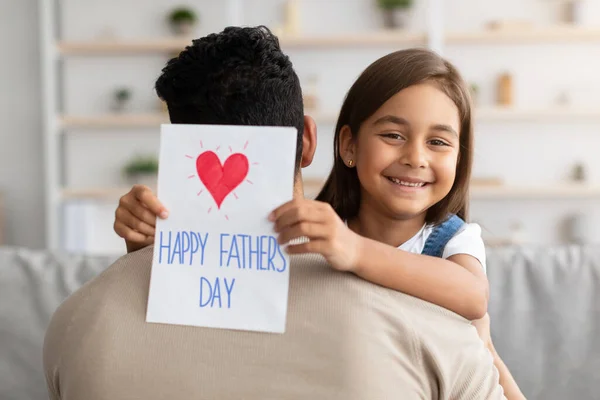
309, 141
347, 146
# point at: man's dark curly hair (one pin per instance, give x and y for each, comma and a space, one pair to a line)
237, 77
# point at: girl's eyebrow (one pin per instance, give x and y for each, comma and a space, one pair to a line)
393, 119
444, 128
402, 122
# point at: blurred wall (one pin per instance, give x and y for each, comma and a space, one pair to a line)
520, 152
21, 163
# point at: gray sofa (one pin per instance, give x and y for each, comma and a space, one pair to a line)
545, 310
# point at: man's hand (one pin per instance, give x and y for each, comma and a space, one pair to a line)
135, 217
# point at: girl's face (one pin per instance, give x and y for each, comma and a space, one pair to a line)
406, 153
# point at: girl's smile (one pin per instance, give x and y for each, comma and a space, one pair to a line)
407, 184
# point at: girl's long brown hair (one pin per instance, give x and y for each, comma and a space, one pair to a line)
377, 84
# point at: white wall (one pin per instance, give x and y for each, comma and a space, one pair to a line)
520, 153
21, 164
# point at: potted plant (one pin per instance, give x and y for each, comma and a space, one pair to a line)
395, 12
121, 99
182, 20
142, 170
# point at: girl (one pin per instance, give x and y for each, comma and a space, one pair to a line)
393, 208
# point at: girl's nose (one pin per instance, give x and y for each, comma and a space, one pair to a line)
414, 155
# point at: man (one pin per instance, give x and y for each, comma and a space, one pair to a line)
345, 338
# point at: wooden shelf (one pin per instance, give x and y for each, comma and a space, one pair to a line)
542, 114
555, 34
115, 121
126, 47
556, 191
149, 120
159, 45
529, 35
380, 38
507, 192
107, 193
478, 192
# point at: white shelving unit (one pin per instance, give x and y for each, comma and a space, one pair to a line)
541, 114
57, 123
108, 121
149, 120
527, 35
115, 47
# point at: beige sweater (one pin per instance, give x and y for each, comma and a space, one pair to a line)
345, 339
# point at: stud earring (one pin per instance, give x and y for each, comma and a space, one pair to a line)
350, 163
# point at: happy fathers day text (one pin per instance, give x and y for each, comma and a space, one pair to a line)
240, 251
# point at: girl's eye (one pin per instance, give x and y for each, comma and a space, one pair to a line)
394, 136
437, 142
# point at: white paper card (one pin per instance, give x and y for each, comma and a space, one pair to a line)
216, 258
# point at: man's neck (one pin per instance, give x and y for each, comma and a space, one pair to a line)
298, 186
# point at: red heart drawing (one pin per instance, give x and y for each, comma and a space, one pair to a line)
220, 180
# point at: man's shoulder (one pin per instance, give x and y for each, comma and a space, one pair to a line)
125, 274
93, 307
451, 353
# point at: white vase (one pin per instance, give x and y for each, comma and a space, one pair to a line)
575, 12
396, 18
120, 106
183, 28
401, 17
580, 229
150, 179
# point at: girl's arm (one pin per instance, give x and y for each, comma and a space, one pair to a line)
458, 283
508, 383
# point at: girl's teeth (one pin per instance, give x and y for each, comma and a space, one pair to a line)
403, 183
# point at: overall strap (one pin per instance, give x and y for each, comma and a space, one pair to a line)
441, 235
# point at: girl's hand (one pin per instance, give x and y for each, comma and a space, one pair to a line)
327, 234
135, 218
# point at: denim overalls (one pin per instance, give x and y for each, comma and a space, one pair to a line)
441, 235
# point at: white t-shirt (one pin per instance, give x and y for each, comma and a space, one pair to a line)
466, 241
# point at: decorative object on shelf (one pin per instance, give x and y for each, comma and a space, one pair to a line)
579, 228
474, 93
572, 12
310, 99
505, 90
395, 13
121, 99
291, 20
579, 173
183, 20
563, 98
108, 33
142, 169
508, 24
518, 234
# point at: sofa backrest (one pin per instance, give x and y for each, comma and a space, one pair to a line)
544, 307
